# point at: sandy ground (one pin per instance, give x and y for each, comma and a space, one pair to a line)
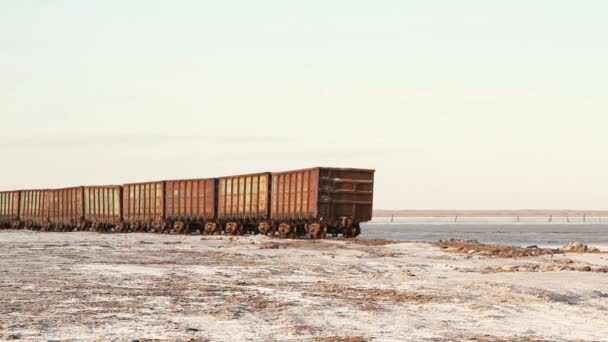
88, 286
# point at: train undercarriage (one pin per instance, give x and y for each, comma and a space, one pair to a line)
313, 229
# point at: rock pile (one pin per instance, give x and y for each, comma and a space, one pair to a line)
546, 268
579, 248
471, 247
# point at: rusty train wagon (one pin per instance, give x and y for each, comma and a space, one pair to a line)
144, 207
31, 209
9, 209
64, 209
338, 198
103, 207
243, 202
190, 203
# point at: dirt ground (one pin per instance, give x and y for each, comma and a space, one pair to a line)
89, 286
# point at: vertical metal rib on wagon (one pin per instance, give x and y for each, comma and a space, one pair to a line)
102, 206
64, 208
144, 205
244, 197
9, 208
190, 202
31, 208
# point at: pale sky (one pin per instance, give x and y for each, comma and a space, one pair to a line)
457, 104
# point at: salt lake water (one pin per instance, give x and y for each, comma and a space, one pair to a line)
545, 232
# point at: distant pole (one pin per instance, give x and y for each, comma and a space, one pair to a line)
517, 218
584, 218
455, 218
551, 218
392, 218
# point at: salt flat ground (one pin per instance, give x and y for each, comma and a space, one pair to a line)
89, 286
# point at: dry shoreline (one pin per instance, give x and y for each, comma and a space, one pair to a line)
90, 286
490, 213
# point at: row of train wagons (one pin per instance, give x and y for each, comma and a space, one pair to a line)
319, 200
76, 208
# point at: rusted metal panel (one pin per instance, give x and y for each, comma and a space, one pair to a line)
9, 206
327, 193
294, 194
346, 192
31, 207
144, 202
103, 204
244, 197
190, 199
64, 206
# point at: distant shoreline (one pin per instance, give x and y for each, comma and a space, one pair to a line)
489, 213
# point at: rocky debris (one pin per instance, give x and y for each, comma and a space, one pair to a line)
540, 268
579, 248
373, 242
471, 247
340, 339
270, 246
598, 294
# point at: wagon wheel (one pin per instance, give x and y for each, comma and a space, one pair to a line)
119, 227
164, 227
185, 229
351, 232
357, 230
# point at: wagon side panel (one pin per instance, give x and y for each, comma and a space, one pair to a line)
192, 199
294, 195
31, 207
9, 206
244, 197
102, 204
144, 202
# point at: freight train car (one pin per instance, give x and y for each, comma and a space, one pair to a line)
316, 200
64, 209
243, 202
9, 209
31, 209
144, 207
190, 203
336, 199
103, 207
